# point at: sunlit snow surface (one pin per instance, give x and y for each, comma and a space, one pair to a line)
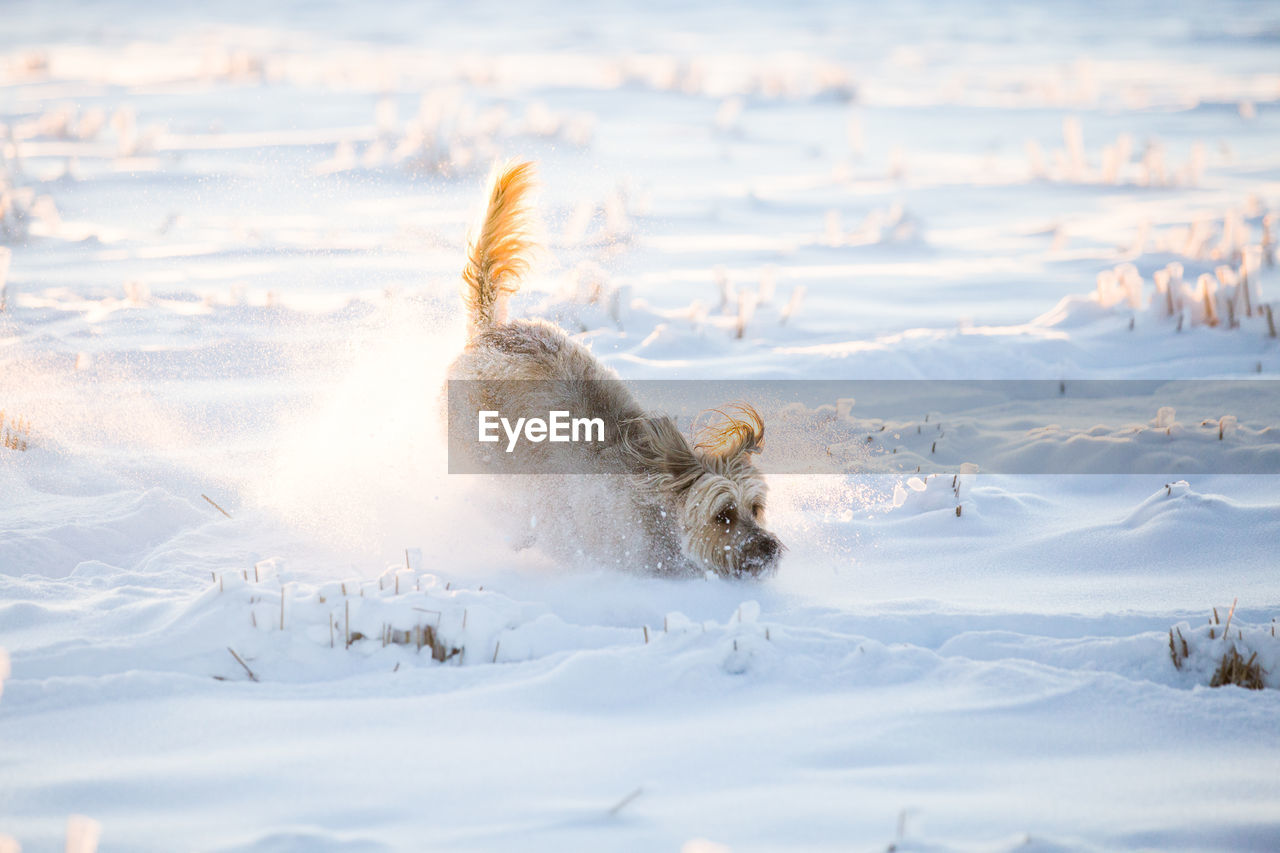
234, 244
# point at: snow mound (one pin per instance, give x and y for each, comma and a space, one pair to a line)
1218, 654
283, 630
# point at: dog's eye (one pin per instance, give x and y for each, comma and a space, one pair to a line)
725, 516
757, 510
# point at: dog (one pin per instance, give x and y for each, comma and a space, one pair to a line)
659, 503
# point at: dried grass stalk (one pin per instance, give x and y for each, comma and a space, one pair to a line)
1234, 669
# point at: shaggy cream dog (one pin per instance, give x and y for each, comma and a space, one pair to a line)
657, 502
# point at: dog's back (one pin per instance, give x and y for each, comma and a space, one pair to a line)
499, 350
528, 368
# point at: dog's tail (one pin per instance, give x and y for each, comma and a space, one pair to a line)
498, 254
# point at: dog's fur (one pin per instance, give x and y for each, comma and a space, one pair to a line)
659, 503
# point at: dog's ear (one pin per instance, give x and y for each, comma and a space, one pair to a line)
660, 451
740, 432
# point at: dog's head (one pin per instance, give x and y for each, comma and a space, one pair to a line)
713, 488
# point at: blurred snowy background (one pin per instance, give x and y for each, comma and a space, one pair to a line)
229, 246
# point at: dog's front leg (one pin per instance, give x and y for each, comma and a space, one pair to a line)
662, 554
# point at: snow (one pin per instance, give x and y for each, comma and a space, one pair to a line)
231, 558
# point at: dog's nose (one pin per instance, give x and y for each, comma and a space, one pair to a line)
760, 553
